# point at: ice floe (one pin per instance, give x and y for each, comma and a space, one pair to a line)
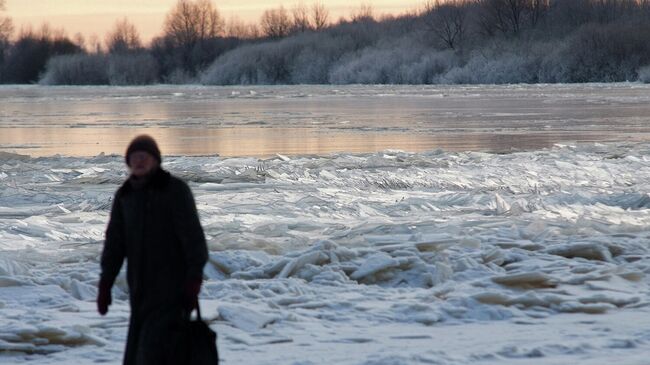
382, 258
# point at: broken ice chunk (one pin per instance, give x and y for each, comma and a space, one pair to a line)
244, 318
375, 263
587, 250
297, 263
526, 280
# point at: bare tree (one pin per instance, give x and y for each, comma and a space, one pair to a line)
254, 31
505, 16
300, 14
644, 10
511, 16
606, 11
644, 5
237, 28
537, 10
209, 21
123, 38
44, 33
6, 29
79, 40
190, 22
319, 15
364, 12
275, 23
447, 20
95, 44
570, 13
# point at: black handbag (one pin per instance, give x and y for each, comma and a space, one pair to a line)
198, 343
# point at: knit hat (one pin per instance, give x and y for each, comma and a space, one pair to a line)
145, 143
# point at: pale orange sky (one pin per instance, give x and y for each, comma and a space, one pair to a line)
98, 16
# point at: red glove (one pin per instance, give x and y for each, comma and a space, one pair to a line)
191, 294
104, 297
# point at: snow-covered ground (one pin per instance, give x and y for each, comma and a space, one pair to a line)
387, 258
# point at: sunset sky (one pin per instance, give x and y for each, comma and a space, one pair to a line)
98, 16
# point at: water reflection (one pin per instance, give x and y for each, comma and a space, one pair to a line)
263, 142
262, 121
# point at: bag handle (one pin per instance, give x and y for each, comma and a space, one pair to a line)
198, 311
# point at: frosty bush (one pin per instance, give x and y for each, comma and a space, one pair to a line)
132, 69
598, 54
301, 59
100, 69
314, 62
179, 77
235, 67
333, 57
506, 68
644, 74
431, 67
557, 41
395, 64
76, 69
372, 66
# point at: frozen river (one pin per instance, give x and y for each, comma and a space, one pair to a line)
443, 253
297, 120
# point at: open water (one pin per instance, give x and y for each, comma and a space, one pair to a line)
297, 120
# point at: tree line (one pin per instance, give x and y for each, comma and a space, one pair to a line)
453, 41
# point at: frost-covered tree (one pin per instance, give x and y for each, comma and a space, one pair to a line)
123, 38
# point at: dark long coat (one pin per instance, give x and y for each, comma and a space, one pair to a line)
156, 228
